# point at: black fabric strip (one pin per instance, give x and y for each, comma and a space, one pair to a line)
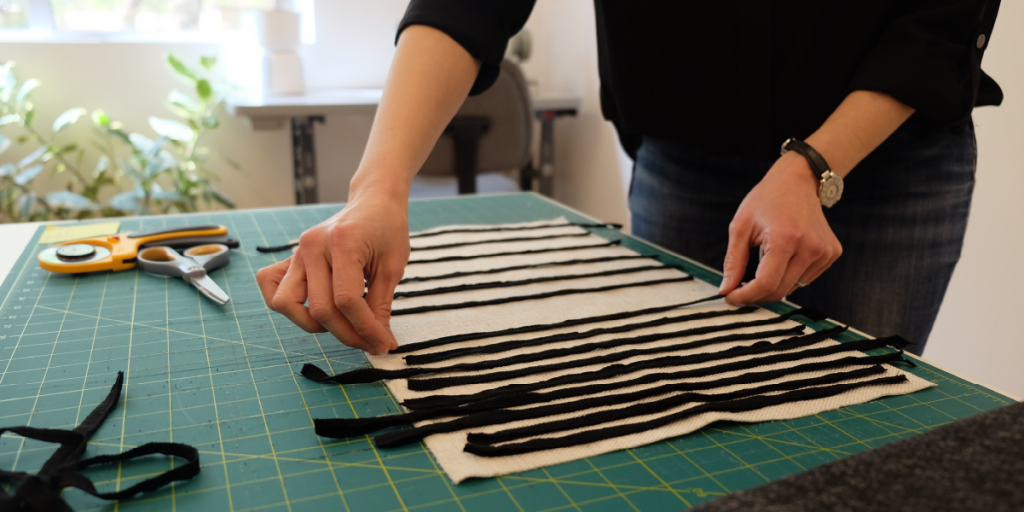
285, 247
489, 418
443, 401
555, 338
366, 375
516, 253
538, 296
526, 267
458, 338
179, 473
741, 405
513, 228
350, 427
42, 492
535, 280
446, 382
499, 241
276, 248
653, 407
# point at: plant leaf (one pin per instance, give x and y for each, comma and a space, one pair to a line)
152, 168
99, 117
185, 104
211, 122
132, 171
33, 156
171, 129
9, 118
8, 82
156, 192
208, 62
25, 203
223, 199
101, 165
4, 143
157, 147
125, 201
69, 200
27, 175
141, 143
8, 169
25, 91
181, 68
204, 90
120, 136
67, 118
29, 116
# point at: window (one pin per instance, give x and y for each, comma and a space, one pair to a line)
151, 15
13, 14
141, 18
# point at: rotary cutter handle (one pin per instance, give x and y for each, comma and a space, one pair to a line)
191, 266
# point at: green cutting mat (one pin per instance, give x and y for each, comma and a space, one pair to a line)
224, 379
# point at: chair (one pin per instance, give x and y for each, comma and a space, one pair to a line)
491, 133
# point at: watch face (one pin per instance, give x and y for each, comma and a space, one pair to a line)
831, 190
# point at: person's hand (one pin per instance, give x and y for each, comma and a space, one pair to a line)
783, 215
368, 240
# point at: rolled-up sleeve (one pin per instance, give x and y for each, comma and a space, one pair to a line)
482, 27
930, 58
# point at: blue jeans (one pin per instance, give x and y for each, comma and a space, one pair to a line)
901, 223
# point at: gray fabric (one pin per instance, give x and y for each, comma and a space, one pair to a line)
976, 464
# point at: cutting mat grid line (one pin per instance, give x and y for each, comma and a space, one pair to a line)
224, 380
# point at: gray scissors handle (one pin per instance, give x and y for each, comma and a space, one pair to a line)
191, 267
210, 256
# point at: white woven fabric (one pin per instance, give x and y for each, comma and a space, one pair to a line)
414, 328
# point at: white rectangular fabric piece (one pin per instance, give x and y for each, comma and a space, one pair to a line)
537, 252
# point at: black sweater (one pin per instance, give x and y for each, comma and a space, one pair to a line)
740, 76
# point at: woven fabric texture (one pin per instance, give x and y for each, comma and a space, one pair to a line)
636, 294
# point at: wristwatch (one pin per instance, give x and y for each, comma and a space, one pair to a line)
831, 187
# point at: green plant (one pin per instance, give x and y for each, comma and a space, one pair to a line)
168, 174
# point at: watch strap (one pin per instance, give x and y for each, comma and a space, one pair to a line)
814, 159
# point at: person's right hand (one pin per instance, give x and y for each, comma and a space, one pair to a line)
368, 240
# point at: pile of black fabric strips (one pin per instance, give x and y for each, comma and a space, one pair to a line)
41, 492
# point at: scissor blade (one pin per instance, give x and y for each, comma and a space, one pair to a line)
207, 287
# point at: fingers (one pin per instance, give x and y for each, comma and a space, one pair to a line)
736, 256
269, 278
379, 297
322, 308
770, 272
290, 298
814, 271
349, 287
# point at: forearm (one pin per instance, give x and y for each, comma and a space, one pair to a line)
859, 125
430, 77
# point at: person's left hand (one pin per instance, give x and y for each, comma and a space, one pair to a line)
784, 216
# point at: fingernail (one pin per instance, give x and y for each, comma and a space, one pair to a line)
721, 286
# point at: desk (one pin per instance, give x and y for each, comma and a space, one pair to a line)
225, 380
271, 112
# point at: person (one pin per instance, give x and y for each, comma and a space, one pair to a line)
702, 94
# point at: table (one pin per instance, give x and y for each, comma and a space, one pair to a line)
224, 380
271, 112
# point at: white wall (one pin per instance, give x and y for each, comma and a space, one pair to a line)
976, 333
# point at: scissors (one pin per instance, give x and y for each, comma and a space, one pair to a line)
116, 252
190, 266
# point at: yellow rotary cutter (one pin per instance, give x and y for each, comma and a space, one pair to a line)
115, 252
